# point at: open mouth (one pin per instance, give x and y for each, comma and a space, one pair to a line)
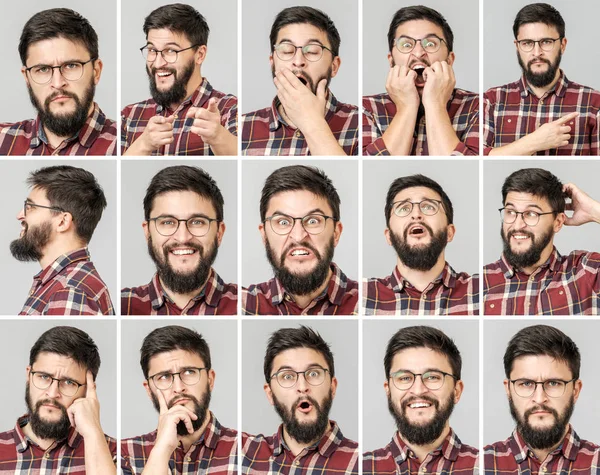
300, 252
420, 70
419, 405
520, 236
417, 230
183, 251
305, 407
163, 74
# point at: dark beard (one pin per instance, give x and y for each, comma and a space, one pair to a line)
540, 79
30, 246
179, 282
177, 92
421, 434
301, 284
307, 432
200, 409
542, 438
421, 258
45, 429
529, 257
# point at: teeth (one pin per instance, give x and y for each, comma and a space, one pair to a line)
419, 404
520, 236
299, 252
162, 75
182, 252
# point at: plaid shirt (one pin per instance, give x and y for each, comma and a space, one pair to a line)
215, 453
463, 111
135, 117
21, 455
451, 457
563, 285
264, 132
216, 298
340, 297
332, 455
449, 294
69, 286
98, 136
513, 456
513, 111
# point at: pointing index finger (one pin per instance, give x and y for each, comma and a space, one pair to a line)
566, 118
91, 386
162, 402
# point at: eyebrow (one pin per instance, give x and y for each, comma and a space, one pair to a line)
170, 43
194, 215
424, 371
310, 40
183, 368
71, 378
426, 36
508, 203
309, 366
312, 211
73, 60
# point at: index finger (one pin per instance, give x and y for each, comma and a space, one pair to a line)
91, 386
567, 118
162, 402
191, 113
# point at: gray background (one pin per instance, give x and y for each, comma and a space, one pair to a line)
582, 173
257, 18
343, 174
500, 58
497, 421
16, 106
462, 253
258, 416
219, 67
137, 412
379, 425
463, 18
137, 268
17, 338
102, 246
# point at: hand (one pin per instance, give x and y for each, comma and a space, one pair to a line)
400, 85
207, 122
84, 413
158, 132
439, 84
167, 436
585, 209
553, 134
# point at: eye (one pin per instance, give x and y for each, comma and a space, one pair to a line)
167, 221
283, 221
314, 373
428, 206
510, 212
287, 376
43, 377
198, 222
531, 214
432, 377
163, 377
527, 43
525, 383
41, 69
68, 66
553, 384
171, 51
189, 372
546, 42
69, 383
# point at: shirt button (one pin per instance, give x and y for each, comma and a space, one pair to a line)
298, 134
47, 455
492, 305
561, 292
297, 462
188, 459
509, 121
421, 150
544, 469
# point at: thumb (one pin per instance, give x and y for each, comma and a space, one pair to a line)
212, 105
171, 119
321, 90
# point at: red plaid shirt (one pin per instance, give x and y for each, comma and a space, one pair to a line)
69, 286
513, 111
21, 455
340, 297
98, 136
135, 117
563, 285
463, 111
451, 457
216, 298
449, 294
513, 456
215, 453
264, 132
332, 455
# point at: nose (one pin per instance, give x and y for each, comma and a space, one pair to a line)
159, 61
418, 50
21, 214
178, 385
57, 81
519, 222
182, 234
416, 212
299, 60
301, 385
52, 391
539, 395
298, 233
537, 49
418, 387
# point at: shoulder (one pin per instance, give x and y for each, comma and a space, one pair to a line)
132, 110
499, 448
493, 94
14, 128
260, 114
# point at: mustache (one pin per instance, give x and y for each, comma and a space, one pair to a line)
305, 244
425, 61
541, 407
543, 60
60, 92
51, 401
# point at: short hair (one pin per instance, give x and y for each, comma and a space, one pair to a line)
70, 342
291, 338
420, 12
75, 191
413, 181
299, 177
58, 23
538, 182
423, 337
542, 340
312, 16
179, 18
184, 178
539, 13
173, 337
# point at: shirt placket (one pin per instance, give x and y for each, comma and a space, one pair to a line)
531, 293
48, 464
421, 139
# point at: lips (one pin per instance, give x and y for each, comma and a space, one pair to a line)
300, 252
304, 406
419, 68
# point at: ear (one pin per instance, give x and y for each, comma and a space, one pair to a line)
147, 388
386, 387
146, 230
271, 63
27, 373
507, 387
458, 390
269, 393
563, 45
516, 46
390, 59
334, 383
220, 232
451, 58
451, 232
98, 65
337, 232
24, 73
577, 385
559, 221
386, 233
261, 228
335, 66
66, 223
200, 55
211, 378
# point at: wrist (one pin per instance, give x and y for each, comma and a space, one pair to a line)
312, 125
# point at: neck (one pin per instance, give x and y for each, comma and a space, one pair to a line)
44, 444
541, 91
58, 248
188, 440
295, 446
304, 300
56, 140
192, 85
543, 258
181, 300
421, 279
421, 451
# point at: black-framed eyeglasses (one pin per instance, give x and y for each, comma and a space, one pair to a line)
67, 387
71, 71
283, 224
530, 218
428, 207
28, 205
188, 376
552, 387
312, 51
546, 44
197, 225
433, 380
430, 44
168, 54
287, 378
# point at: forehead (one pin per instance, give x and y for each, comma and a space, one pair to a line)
54, 363
417, 193
174, 360
525, 200
164, 36
53, 51
301, 34
298, 359
419, 29
182, 203
536, 31
37, 195
539, 366
420, 359
297, 203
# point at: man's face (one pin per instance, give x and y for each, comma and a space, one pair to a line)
542, 420
540, 67
300, 260
183, 261
310, 73
421, 413
419, 239
303, 408
63, 105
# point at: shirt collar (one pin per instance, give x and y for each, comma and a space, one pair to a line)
569, 446
449, 448
560, 88
447, 277
275, 119
197, 99
211, 292
61, 263
326, 446
22, 441
553, 263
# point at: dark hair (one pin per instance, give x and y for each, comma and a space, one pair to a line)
184, 178
58, 23
70, 342
419, 12
312, 16
538, 182
292, 338
73, 190
179, 18
539, 13
413, 181
173, 337
423, 337
542, 340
